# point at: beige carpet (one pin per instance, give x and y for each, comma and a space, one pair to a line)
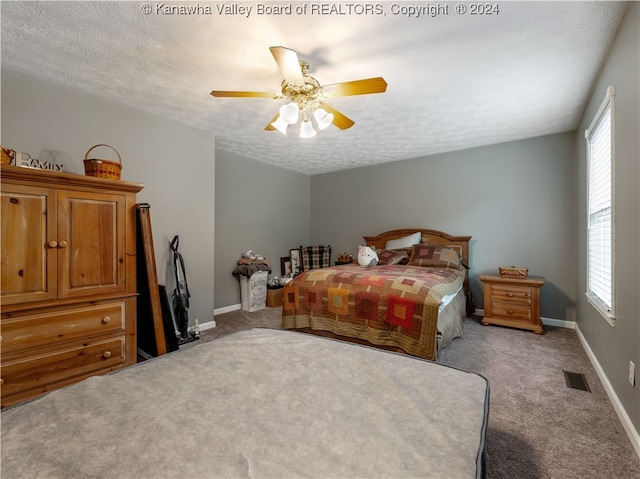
538, 427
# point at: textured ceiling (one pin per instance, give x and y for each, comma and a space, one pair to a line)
455, 81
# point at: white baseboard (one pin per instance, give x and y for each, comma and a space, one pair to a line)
202, 326
613, 397
208, 325
559, 323
227, 309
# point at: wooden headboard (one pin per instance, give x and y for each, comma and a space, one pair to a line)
460, 243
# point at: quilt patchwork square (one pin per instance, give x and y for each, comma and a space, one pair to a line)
338, 301
314, 297
366, 305
290, 297
376, 280
345, 277
407, 284
319, 274
400, 311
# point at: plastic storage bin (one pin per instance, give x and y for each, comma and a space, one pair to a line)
253, 291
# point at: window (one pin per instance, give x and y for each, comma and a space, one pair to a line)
600, 231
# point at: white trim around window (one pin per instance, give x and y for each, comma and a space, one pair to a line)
601, 209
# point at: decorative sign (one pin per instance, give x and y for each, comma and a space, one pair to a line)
25, 160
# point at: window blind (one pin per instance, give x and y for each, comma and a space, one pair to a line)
600, 211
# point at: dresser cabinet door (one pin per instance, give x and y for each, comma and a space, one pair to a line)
29, 244
91, 239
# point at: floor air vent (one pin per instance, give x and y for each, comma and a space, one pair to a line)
576, 381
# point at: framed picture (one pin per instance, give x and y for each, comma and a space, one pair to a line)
294, 254
285, 267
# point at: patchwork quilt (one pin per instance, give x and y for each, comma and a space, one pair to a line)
392, 305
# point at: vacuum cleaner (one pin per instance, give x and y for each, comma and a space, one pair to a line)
181, 297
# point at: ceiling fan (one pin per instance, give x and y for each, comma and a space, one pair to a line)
306, 96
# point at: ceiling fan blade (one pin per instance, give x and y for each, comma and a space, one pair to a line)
269, 126
242, 94
289, 65
339, 119
356, 87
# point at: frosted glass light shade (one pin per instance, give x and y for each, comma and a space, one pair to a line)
280, 125
323, 118
306, 129
289, 113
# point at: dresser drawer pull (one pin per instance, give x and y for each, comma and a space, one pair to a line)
106, 319
509, 311
62, 244
106, 355
52, 244
510, 295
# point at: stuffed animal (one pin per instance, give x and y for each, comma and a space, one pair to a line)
367, 256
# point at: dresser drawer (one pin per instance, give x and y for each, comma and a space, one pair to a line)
55, 327
510, 311
511, 294
37, 373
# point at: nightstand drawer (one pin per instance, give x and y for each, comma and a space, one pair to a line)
511, 294
510, 311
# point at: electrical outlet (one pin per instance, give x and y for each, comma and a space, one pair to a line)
632, 373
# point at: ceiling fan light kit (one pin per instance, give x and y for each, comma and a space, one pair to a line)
289, 113
306, 129
307, 97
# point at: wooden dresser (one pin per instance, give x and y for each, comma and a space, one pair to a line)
68, 293
512, 302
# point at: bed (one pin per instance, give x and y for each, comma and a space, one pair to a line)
415, 301
257, 403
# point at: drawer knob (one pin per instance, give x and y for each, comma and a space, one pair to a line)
106, 319
106, 355
510, 295
52, 244
510, 311
62, 244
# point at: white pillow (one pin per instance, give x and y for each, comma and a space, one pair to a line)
405, 242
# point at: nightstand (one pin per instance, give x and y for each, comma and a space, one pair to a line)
274, 297
512, 302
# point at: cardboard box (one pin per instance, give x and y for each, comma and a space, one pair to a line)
275, 297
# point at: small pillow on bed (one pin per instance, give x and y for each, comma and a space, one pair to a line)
393, 256
404, 242
435, 256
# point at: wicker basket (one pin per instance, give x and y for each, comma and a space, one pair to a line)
7, 155
513, 272
102, 168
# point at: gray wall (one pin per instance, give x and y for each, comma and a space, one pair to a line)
259, 207
616, 346
517, 201
175, 163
